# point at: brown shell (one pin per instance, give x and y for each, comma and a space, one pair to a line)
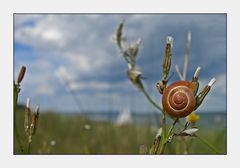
178, 99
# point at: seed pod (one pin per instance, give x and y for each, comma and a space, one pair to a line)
21, 74
167, 61
195, 80
134, 75
27, 117
204, 92
34, 123
119, 34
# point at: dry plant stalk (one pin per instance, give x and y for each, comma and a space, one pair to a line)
166, 134
16, 91
30, 119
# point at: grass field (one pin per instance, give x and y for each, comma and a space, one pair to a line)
74, 134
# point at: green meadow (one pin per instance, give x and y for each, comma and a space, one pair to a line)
75, 134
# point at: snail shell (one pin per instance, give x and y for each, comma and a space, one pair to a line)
178, 99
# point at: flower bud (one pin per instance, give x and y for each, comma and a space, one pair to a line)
169, 40
213, 80
196, 74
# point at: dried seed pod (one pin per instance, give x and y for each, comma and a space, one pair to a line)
161, 85
119, 34
134, 76
134, 49
21, 74
34, 123
178, 99
200, 97
195, 80
27, 117
167, 61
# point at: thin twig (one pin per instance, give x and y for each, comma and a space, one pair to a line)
153, 103
183, 76
151, 100
16, 134
186, 56
178, 72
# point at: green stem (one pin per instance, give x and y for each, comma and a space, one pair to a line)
16, 134
171, 128
207, 144
29, 148
164, 142
164, 131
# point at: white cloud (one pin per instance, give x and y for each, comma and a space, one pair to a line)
63, 73
100, 86
43, 89
79, 48
216, 98
52, 35
220, 84
90, 85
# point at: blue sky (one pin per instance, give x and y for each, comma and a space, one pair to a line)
79, 50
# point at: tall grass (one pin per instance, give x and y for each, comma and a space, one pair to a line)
74, 134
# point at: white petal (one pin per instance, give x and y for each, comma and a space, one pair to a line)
190, 131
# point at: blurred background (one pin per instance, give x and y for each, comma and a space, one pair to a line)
78, 76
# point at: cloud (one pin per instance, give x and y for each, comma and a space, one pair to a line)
90, 85
80, 49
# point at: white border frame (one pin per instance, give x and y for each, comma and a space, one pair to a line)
118, 6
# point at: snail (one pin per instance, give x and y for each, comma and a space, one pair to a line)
179, 99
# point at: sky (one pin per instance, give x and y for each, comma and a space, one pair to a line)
74, 65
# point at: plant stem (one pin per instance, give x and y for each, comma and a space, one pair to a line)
155, 146
151, 100
29, 148
154, 104
171, 128
207, 144
163, 136
164, 142
164, 130
16, 134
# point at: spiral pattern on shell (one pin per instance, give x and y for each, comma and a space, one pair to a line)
178, 99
